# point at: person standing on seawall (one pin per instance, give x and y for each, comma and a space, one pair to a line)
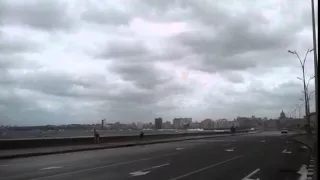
96, 136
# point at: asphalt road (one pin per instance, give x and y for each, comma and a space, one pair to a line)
267, 156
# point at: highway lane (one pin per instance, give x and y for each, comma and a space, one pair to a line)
268, 155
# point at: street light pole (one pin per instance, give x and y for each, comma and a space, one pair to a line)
302, 63
308, 95
315, 59
299, 106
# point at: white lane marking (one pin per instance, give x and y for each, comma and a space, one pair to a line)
252, 173
52, 167
263, 141
5, 165
139, 173
288, 142
304, 147
286, 151
230, 150
179, 149
101, 167
205, 168
303, 171
311, 165
147, 170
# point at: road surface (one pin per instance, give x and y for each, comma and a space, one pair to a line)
263, 156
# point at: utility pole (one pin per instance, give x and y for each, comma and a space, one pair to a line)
315, 59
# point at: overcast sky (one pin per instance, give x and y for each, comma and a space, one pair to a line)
79, 61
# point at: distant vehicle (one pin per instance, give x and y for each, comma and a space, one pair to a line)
284, 131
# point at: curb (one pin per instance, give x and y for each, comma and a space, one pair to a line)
109, 147
310, 174
311, 167
301, 141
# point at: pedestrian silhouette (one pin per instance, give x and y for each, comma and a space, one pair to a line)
96, 136
141, 135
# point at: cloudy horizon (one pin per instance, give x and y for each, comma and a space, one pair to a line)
68, 61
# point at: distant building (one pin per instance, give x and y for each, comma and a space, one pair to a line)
167, 125
195, 125
282, 115
181, 123
207, 124
177, 123
223, 124
158, 123
271, 124
103, 122
235, 124
139, 125
245, 122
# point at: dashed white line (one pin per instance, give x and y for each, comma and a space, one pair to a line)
146, 171
230, 149
52, 167
205, 168
252, 173
5, 165
101, 167
180, 149
286, 151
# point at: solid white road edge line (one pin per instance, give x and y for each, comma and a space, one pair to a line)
205, 168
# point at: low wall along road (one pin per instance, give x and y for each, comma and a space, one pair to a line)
49, 142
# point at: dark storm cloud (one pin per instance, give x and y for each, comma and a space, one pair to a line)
234, 77
44, 15
144, 75
111, 16
10, 46
61, 85
236, 46
124, 50
260, 101
225, 41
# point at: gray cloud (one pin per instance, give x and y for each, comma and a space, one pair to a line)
144, 75
44, 15
14, 46
124, 50
111, 16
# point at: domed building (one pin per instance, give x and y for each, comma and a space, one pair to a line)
282, 115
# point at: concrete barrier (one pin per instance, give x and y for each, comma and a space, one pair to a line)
49, 142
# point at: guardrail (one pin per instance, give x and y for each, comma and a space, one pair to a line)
49, 142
